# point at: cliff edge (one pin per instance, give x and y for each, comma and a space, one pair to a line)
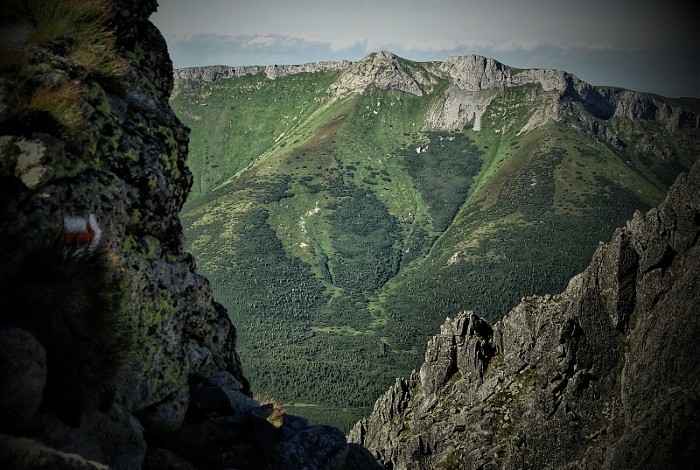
113, 352
603, 375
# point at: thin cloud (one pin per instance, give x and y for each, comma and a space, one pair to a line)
262, 41
516, 45
595, 46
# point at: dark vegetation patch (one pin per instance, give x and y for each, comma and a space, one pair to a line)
364, 238
443, 170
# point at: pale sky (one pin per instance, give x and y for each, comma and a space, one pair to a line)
645, 45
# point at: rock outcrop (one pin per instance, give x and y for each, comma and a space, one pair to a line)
476, 80
383, 71
634, 105
474, 73
603, 375
114, 351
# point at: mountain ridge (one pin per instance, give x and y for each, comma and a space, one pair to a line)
470, 73
506, 188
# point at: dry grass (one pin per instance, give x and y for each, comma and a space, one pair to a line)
276, 418
79, 30
63, 103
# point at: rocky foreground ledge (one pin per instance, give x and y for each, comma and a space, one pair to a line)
603, 375
113, 351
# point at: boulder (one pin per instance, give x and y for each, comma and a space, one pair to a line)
23, 372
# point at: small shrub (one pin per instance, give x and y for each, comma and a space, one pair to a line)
276, 418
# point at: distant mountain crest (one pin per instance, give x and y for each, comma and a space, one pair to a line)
213, 73
474, 79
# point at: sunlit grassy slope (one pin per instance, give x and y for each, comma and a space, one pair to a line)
340, 233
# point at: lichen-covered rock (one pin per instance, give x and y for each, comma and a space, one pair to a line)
104, 142
93, 137
138, 353
603, 375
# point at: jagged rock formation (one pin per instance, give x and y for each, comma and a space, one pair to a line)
634, 105
100, 306
603, 375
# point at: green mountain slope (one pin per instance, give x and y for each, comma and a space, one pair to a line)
341, 213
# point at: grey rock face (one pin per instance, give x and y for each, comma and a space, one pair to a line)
476, 80
167, 415
113, 437
474, 73
459, 108
603, 375
163, 459
224, 428
635, 105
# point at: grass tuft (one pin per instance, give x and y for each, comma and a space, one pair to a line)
62, 103
78, 30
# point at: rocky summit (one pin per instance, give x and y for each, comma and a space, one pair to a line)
602, 375
113, 351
